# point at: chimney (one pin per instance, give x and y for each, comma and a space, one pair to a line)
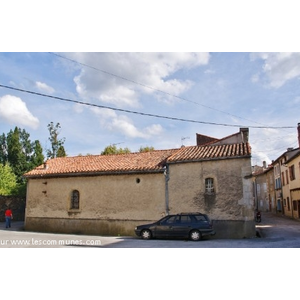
264, 164
245, 134
299, 135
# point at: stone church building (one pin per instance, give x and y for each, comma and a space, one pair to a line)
111, 194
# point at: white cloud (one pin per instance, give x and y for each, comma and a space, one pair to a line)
279, 67
14, 110
255, 78
154, 129
124, 125
44, 87
152, 70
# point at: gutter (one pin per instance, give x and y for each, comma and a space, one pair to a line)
167, 178
206, 159
90, 174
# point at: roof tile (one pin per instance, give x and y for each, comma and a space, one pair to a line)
136, 162
145, 161
192, 153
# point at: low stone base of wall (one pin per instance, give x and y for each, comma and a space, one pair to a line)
82, 226
225, 229
232, 229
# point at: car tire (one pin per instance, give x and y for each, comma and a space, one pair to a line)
195, 235
146, 234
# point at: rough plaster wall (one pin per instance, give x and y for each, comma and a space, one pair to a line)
232, 199
101, 197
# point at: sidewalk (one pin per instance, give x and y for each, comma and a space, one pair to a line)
15, 226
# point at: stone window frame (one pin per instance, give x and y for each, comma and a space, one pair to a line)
75, 203
209, 186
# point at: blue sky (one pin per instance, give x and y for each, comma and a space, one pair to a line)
233, 88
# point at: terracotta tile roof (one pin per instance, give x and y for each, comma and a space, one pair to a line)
153, 161
132, 162
208, 152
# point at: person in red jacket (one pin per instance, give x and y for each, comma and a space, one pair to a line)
8, 217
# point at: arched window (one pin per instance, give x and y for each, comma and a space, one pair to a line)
75, 199
209, 186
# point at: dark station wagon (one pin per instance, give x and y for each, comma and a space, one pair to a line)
192, 226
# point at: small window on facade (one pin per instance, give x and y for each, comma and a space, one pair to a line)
295, 205
75, 200
292, 172
209, 186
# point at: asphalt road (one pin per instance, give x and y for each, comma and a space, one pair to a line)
276, 231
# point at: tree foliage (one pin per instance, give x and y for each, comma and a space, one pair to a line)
20, 155
57, 148
112, 149
17, 151
37, 157
3, 149
8, 180
146, 149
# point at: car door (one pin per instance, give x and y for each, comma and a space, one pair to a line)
202, 223
182, 226
165, 227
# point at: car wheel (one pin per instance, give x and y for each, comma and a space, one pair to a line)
195, 235
146, 234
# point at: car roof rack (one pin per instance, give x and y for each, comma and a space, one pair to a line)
190, 213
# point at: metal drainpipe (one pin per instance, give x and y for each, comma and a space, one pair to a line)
167, 178
255, 194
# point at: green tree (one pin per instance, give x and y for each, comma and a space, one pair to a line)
16, 154
112, 149
26, 145
37, 157
3, 149
57, 148
61, 152
8, 180
146, 149
20, 153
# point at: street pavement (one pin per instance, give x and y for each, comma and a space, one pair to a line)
275, 231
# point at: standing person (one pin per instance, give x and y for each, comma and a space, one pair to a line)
8, 217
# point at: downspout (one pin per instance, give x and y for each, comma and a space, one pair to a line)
255, 194
167, 178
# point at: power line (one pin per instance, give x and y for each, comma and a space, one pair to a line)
149, 87
139, 113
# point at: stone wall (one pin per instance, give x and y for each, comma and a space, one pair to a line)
83, 226
112, 197
232, 198
16, 204
115, 204
225, 229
